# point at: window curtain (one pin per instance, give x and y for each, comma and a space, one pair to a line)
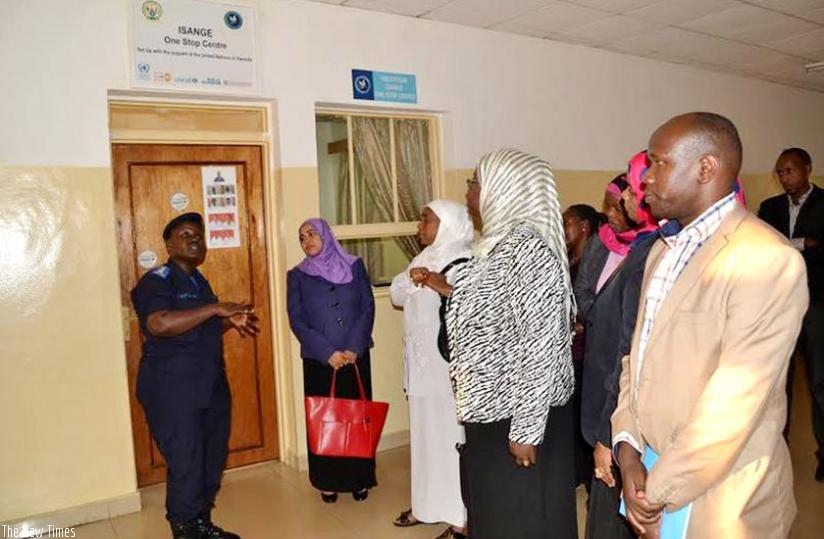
414, 167
373, 184
344, 194
363, 248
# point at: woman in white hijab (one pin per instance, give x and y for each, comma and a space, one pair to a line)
509, 330
446, 232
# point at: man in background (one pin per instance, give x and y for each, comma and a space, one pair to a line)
799, 215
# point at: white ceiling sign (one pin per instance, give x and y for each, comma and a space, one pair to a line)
193, 45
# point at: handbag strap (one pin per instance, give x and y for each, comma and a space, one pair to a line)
357, 376
360, 382
456, 262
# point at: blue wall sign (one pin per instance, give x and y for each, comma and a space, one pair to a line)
380, 86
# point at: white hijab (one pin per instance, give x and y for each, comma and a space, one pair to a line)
453, 240
516, 188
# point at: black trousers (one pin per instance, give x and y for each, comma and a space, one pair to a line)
811, 344
339, 474
583, 452
511, 502
194, 441
603, 519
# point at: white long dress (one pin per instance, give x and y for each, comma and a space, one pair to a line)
433, 424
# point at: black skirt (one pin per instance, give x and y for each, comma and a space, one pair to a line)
505, 500
339, 474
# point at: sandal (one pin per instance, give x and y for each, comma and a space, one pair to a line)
450, 533
405, 519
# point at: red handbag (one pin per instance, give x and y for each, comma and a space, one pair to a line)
344, 427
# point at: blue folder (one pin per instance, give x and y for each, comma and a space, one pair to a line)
674, 524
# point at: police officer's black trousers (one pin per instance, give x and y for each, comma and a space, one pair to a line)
194, 442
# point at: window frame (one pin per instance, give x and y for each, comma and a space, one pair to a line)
390, 228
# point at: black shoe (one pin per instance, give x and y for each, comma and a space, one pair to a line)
360, 495
329, 498
208, 530
185, 530
819, 472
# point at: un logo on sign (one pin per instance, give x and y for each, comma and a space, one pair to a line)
143, 68
233, 20
362, 84
152, 10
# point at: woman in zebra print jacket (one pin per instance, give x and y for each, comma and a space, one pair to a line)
509, 329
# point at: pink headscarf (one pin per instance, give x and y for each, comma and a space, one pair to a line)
738, 189
620, 242
636, 169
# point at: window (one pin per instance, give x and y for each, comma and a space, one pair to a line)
376, 173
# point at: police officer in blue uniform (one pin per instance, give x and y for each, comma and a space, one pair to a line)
181, 383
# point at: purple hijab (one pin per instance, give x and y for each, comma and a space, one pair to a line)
333, 263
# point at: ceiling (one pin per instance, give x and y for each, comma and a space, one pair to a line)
770, 40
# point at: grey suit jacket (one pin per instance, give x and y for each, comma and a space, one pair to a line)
592, 263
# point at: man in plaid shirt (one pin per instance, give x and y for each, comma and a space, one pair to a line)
703, 387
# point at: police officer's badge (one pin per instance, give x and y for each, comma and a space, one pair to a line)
162, 272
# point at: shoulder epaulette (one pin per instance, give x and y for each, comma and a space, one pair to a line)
163, 272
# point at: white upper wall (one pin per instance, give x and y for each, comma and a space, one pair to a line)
580, 108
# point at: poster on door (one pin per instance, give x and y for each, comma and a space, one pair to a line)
220, 207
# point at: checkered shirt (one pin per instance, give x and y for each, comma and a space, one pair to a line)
682, 246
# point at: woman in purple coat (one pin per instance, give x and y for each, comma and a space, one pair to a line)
331, 312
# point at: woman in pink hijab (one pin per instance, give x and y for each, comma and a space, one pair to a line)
607, 249
610, 320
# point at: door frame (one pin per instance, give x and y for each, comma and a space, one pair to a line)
265, 138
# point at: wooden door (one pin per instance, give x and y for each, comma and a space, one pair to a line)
154, 183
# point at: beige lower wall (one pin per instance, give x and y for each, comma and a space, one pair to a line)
64, 404
758, 187
587, 186
66, 432
574, 186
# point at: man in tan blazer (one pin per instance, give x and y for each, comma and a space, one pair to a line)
721, 307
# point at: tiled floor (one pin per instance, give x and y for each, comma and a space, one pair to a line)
809, 495
273, 501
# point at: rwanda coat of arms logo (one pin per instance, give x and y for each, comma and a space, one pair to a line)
152, 10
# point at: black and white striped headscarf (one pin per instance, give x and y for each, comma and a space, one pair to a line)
519, 188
